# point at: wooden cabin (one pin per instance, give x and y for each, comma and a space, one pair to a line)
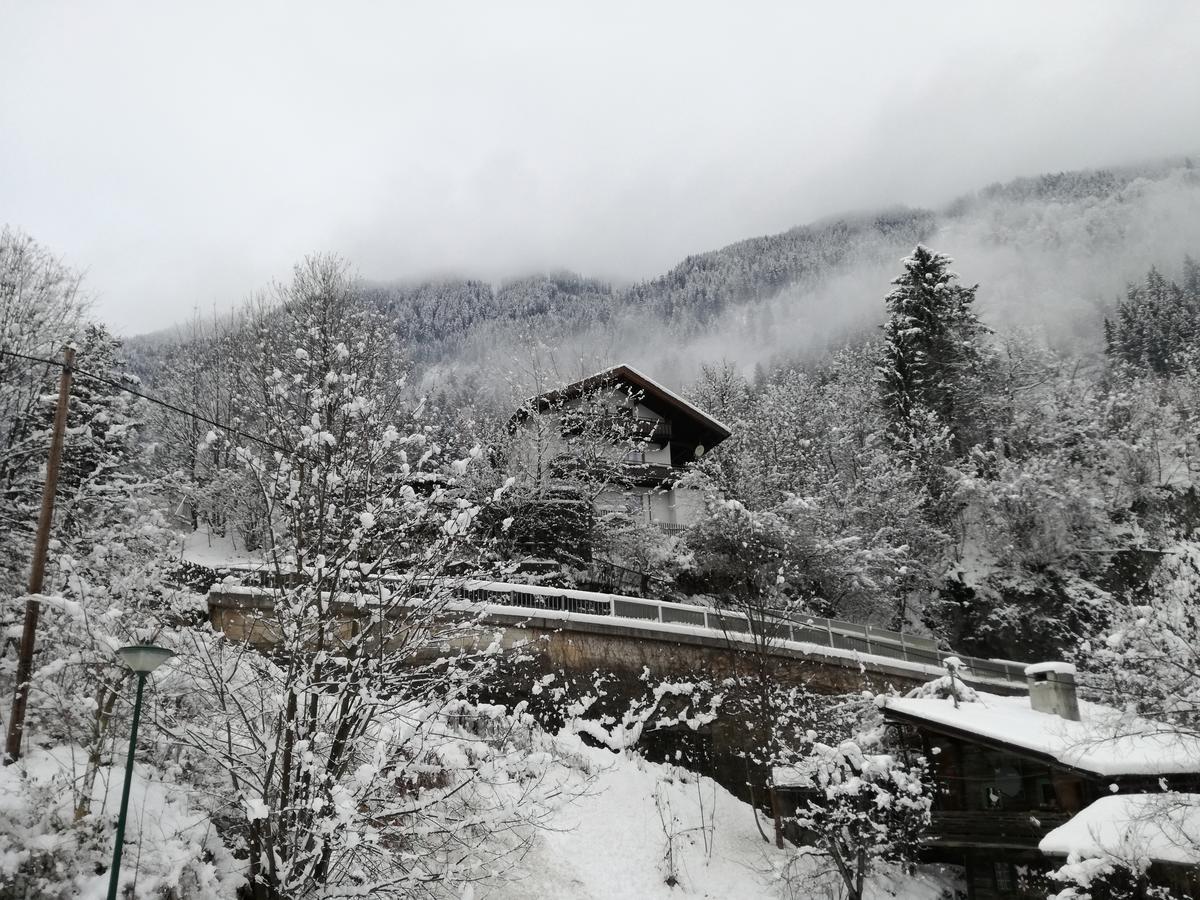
1010, 771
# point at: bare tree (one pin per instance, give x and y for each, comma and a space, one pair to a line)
331, 747
41, 310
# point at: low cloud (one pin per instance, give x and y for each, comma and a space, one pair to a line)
184, 156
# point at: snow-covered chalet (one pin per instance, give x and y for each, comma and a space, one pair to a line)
654, 432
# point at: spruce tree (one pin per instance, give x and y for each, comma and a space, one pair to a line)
928, 374
1157, 324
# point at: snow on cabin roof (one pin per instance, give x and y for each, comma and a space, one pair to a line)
1059, 668
651, 389
1097, 744
1148, 827
678, 400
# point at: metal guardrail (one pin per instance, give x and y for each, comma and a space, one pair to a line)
833, 633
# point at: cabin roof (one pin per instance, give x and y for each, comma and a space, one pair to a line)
656, 396
1105, 743
1157, 827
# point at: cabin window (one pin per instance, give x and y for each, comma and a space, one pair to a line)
1004, 877
1047, 796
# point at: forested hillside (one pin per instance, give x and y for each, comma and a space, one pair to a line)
1055, 468
1051, 251
1052, 472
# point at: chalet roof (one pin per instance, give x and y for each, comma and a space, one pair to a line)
1137, 827
664, 401
1104, 743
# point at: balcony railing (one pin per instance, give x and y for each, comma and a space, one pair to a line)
618, 471
655, 431
996, 828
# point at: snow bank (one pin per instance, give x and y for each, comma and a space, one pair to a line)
171, 844
1139, 828
213, 551
613, 843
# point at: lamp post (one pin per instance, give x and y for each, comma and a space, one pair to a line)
142, 659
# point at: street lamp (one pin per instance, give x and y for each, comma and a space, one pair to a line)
142, 659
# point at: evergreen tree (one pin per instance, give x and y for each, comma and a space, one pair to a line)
1158, 323
932, 356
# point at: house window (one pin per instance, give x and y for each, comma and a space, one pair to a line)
635, 456
1047, 796
1004, 876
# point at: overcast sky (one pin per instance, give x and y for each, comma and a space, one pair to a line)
184, 155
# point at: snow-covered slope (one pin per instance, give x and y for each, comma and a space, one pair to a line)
613, 844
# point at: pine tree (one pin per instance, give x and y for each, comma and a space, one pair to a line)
1158, 322
932, 355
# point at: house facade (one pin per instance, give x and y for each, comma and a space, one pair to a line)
629, 438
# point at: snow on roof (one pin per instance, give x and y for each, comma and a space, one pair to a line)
628, 371
678, 399
1059, 668
1136, 827
1103, 743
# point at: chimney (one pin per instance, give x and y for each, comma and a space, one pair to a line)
1052, 689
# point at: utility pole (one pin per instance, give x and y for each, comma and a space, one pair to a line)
16, 721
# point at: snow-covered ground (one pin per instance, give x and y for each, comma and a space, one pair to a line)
170, 839
612, 844
203, 548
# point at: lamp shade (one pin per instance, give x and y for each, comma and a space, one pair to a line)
144, 657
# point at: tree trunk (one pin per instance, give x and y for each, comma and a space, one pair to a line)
776, 815
104, 706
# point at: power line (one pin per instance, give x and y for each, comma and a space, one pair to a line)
155, 400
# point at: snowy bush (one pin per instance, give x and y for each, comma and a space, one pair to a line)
48, 850
1105, 878
860, 810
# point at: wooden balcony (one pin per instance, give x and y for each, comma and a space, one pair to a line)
992, 828
618, 472
656, 431
620, 426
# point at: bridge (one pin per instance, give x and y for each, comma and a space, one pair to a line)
577, 633
586, 630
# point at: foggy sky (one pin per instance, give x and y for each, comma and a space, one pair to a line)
184, 156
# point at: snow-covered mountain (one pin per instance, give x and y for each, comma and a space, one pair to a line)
1049, 253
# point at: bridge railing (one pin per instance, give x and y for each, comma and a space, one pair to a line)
835, 634
839, 636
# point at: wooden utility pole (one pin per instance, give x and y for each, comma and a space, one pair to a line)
16, 721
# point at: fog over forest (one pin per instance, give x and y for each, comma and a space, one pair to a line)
1052, 255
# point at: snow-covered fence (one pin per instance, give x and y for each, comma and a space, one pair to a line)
835, 634
834, 639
